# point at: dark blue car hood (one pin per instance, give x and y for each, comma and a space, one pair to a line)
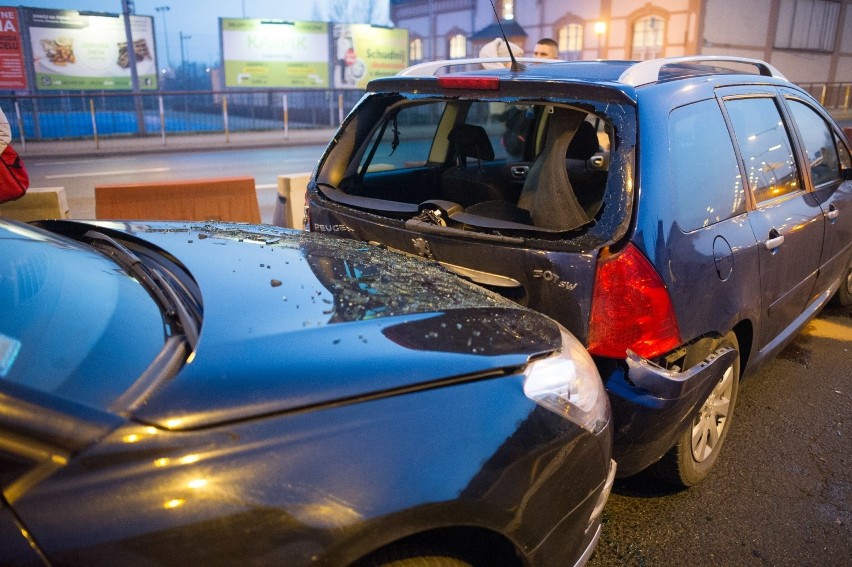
295, 320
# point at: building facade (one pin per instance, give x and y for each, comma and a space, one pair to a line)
808, 40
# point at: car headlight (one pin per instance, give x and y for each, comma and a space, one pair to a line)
569, 385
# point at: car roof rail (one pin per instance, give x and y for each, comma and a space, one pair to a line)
647, 72
431, 68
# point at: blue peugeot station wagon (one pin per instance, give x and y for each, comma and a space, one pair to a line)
683, 217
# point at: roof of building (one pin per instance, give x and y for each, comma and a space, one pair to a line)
511, 27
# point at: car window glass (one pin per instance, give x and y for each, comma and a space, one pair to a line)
705, 175
406, 138
819, 143
765, 146
73, 323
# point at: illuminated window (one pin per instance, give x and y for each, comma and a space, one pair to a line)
570, 38
648, 38
508, 10
458, 46
415, 49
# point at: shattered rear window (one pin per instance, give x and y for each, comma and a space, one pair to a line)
476, 165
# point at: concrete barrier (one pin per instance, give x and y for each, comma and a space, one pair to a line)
290, 205
227, 199
38, 203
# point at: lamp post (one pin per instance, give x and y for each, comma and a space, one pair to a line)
183, 38
162, 10
127, 9
600, 30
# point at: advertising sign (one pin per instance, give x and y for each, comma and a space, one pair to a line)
12, 72
273, 53
79, 51
363, 52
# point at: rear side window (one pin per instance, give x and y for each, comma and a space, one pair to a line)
405, 140
706, 177
819, 144
765, 145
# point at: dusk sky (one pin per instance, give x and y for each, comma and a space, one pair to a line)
197, 19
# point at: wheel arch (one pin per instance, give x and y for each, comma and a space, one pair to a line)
745, 337
479, 546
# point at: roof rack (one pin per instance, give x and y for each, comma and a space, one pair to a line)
646, 72
430, 68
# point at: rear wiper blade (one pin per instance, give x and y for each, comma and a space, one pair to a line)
153, 280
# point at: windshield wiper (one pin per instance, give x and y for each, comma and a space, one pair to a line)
154, 281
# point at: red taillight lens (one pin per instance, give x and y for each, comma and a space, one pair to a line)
472, 83
631, 308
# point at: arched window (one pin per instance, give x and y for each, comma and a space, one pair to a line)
458, 46
415, 49
648, 33
570, 39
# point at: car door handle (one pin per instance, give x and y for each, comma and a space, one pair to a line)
519, 171
775, 240
832, 213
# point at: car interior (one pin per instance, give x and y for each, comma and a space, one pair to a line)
483, 166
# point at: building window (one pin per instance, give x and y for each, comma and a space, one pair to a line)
458, 46
807, 24
508, 9
570, 38
415, 49
648, 38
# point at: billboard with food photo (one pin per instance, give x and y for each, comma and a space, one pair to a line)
84, 51
274, 53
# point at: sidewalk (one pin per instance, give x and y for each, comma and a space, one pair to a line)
117, 146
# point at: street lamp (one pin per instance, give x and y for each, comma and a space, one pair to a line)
183, 37
600, 30
162, 10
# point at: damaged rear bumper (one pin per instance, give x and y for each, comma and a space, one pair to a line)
653, 405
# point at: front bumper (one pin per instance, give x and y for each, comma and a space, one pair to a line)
652, 406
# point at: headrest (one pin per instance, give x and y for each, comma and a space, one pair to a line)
471, 141
584, 144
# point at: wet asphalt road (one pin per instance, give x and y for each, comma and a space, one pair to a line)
781, 492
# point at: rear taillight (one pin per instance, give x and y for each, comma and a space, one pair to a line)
631, 308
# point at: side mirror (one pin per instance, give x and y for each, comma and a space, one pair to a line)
846, 174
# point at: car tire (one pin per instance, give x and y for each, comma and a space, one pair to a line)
843, 297
696, 450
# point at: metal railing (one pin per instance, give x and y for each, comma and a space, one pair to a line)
833, 96
107, 114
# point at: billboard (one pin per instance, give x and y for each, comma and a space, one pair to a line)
13, 75
363, 52
82, 51
274, 53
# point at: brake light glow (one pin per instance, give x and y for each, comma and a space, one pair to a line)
471, 83
631, 308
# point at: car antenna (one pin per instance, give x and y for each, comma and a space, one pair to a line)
515, 65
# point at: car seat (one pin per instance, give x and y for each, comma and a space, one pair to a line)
466, 182
548, 194
588, 182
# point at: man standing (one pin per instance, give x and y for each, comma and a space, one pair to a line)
546, 48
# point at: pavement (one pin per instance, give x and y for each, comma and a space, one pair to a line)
123, 145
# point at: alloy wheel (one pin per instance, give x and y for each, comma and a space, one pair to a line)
711, 420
